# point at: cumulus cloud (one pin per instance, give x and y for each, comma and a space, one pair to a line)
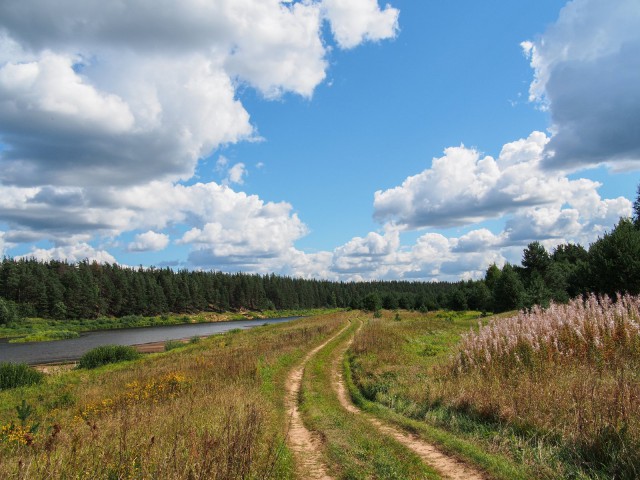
366, 255
149, 242
587, 72
71, 215
73, 253
105, 107
354, 21
236, 174
465, 187
433, 256
95, 93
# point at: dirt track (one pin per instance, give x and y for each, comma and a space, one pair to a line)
305, 445
448, 467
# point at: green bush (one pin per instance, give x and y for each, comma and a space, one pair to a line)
172, 344
106, 354
14, 375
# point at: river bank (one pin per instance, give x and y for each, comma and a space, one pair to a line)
149, 338
40, 329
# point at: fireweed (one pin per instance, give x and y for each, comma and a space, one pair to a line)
598, 331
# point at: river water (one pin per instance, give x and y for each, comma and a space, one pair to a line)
72, 349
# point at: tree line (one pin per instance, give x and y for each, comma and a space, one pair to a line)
60, 290
610, 266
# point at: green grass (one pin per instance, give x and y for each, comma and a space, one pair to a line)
46, 336
497, 466
354, 447
13, 375
99, 356
173, 344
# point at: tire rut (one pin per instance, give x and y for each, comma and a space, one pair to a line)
449, 467
305, 445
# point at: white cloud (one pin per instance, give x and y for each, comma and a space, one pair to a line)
355, 21
432, 257
96, 93
465, 187
366, 255
478, 241
221, 163
73, 253
236, 174
149, 242
105, 107
49, 91
587, 72
65, 215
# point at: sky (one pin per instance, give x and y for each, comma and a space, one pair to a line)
336, 139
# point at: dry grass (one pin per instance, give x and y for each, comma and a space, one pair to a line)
571, 370
202, 412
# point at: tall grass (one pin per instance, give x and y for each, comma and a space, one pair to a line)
597, 331
570, 370
14, 375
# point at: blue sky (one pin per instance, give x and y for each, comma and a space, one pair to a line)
300, 138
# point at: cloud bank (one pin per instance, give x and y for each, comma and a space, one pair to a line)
587, 72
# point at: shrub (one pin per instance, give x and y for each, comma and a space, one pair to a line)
172, 344
14, 375
106, 354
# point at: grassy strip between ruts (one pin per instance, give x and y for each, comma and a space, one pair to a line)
498, 467
42, 329
209, 410
354, 448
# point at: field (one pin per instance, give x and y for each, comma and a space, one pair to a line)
350, 395
209, 410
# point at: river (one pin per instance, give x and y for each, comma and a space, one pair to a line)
72, 349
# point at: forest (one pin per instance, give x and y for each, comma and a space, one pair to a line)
59, 290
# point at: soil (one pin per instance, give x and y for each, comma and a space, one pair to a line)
305, 445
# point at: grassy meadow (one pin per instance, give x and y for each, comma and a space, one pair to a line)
212, 409
552, 394
549, 394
